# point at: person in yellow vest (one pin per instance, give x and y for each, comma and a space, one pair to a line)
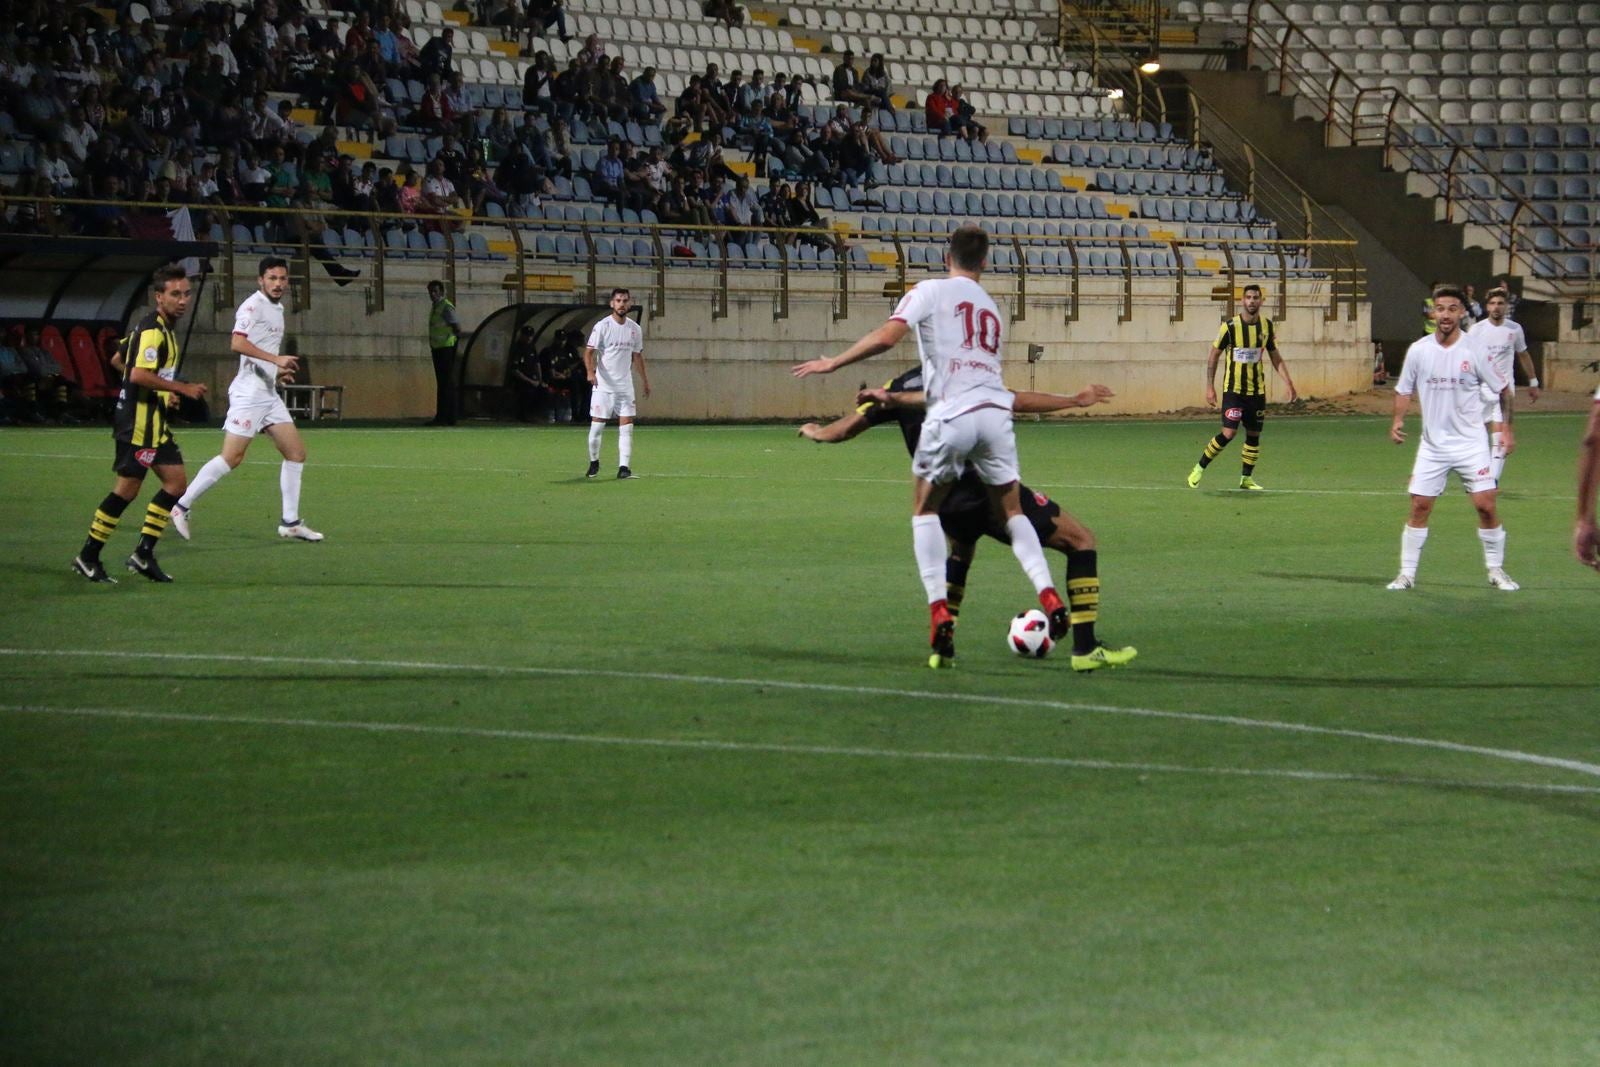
1247, 339
444, 330
1427, 309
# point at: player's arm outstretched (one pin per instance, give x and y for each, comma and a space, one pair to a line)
1026, 402
838, 431
882, 339
1585, 535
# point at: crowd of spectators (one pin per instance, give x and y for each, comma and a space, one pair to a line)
196, 105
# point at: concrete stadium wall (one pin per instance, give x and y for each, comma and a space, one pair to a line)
738, 367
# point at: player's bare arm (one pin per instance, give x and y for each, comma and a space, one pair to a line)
1031, 403
588, 364
1585, 535
839, 430
1211, 376
880, 340
1283, 372
149, 379
241, 344
1397, 429
1526, 361
644, 377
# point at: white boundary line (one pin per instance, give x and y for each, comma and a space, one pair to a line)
535, 736
1509, 755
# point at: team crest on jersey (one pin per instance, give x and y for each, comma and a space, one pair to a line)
1234, 413
1042, 500
151, 354
1465, 366
145, 456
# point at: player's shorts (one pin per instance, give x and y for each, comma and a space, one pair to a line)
135, 462
1433, 467
251, 412
604, 404
966, 514
981, 440
1250, 410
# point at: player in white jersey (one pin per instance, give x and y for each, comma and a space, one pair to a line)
254, 405
968, 424
1447, 371
1585, 536
1503, 340
615, 348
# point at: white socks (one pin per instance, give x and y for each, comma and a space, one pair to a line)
209, 475
289, 485
624, 444
1494, 547
1497, 455
595, 430
1411, 542
1025, 546
927, 540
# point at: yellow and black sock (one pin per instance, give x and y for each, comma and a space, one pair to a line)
955, 582
156, 517
1214, 449
103, 525
1083, 598
1252, 453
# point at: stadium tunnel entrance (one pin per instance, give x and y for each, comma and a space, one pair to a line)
559, 331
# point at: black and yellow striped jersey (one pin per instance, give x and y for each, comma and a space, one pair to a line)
141, 416
1243, 345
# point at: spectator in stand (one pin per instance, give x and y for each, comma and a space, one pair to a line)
217, 46
726, 11
459, 105
410, 54
761, 136
875, 83
306, 226
360, 34
611, 90
940, 108
847, 83
52, 165
608, 177
571, 91
966, 116
76, 134
285, 180
691, 103
433, 110
480, 187
266, 128
716, 100
594, 50
542, 14
205, 187
500, 134
678, 207
437, 57
454, 158
538, 83
508, 16
386, 194
252, 179
740, 206
645, 103
439, 194
803, 215
388, 46
855, 158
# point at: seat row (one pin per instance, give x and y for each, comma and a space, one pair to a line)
992, 205
1132, 157
1143, 183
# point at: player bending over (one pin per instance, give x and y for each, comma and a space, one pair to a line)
1447, 370
254, 405
966, 515
968, 424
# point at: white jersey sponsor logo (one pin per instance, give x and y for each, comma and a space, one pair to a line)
958, 331
260, 321
614, 344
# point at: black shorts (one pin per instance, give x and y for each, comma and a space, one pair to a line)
967, 516
135, 462
1250, 410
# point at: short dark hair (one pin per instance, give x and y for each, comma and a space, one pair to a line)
614, 292
969, 247
436, 284
1252, 287
1450, 289
1496, 291
271, 263
162, 276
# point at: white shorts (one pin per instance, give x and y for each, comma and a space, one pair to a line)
603, 404
250, 413
1433, 467
981, 439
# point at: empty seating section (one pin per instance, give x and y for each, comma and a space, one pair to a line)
1517, 83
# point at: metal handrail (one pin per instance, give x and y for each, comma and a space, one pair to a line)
1397, 139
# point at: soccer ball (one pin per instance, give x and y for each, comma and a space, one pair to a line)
1030, 635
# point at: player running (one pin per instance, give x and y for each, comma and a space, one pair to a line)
1447, 370
968, 424
1244, 386
966, 514
616, 346
254, 405
1501, 339
143, 435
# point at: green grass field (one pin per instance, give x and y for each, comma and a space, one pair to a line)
520, 768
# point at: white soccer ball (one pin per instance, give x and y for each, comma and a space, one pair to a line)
1030, 635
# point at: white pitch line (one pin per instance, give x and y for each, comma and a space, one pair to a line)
812, 478
699, 745
1510, 755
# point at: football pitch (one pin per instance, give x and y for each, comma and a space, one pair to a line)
517, 767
